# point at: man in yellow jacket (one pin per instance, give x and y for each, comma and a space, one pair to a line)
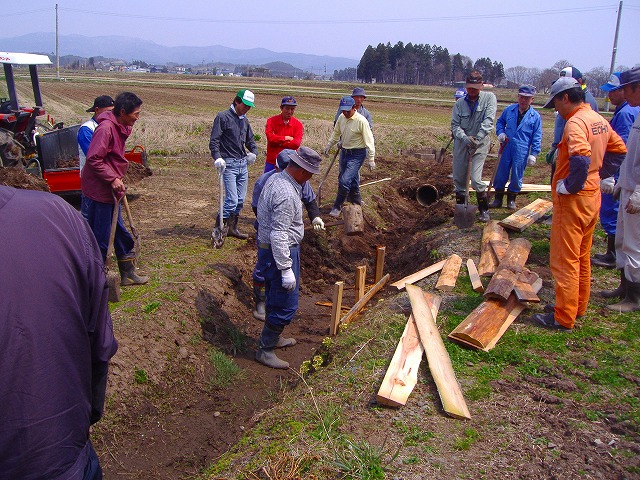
589, 150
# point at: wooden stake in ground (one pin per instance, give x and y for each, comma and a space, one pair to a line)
439, 362
449, 274
402, 374
488, 260
363, 301
379, 266
361, 276
336, 310
414, 277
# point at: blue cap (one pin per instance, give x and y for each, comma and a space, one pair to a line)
347, 103
527, 90
282, 160
572, 72
612, 84
288, 100
630, 76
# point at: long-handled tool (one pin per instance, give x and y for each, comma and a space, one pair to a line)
495, 168
465, 214
113, 276
324, 177
220, 231
132, 229
443, 151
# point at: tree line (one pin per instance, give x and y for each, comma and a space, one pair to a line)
418, 64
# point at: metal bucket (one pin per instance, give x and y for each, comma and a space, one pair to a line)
426, 195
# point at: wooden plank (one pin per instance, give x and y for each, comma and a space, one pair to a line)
361, 276
363, 301
379, 265
486, 324
476, 282
336, 310
499, 248
488, 260
449, 275
523, 287
419, 275
531, 187
402, 374
439, 361
346, 308
526, 216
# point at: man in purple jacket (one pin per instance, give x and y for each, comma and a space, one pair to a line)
101, 182
56, 339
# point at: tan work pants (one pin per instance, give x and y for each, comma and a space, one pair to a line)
574, 219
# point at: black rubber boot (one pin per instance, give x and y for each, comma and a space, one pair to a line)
608, 259
497, 200
619, 292
269, 340
354, 197
459, 198
631, 301
128, 273
233, 228
341, 196
511, 200
483, 207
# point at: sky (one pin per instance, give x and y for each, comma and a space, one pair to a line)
516, 33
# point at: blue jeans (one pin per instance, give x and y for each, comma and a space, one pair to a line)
236, 178
99, 216
92, 471
281, 304
350, 163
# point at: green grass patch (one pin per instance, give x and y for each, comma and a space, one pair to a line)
226, 371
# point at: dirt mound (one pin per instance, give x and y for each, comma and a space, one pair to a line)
18, 178
135, 173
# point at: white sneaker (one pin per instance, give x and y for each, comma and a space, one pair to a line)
335, 212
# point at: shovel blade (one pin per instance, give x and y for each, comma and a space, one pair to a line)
113, 282
218, 236
464, 215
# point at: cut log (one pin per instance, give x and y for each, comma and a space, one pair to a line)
511, 265
402, 374
449, 275
524, 217
363, 301
499, 248
476, 283
523, 287
419, 275
486, 324
353, 219
439, 361
488, 260
361, 276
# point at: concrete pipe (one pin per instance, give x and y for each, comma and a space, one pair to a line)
426, 195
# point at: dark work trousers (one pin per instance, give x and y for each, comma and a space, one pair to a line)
99, 216
350, 162
281, 304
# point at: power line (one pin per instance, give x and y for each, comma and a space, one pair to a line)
334, 21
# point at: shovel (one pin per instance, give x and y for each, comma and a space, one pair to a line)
220, 232
113, 276
132, 229
495, 167
465, 214
324, 177
443, 151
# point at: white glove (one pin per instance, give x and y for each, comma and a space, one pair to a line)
288, 279
339, 146
220, 165
616, 192
633, 205
318, 224
250, 158
326, 150
607, 185
531, 161
561, 189
502, 137
372, 165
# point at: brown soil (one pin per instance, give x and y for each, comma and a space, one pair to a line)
17, 177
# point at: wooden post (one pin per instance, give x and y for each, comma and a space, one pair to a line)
476, 283
361, 276
380, 253
439, 361
336, 309
449, 274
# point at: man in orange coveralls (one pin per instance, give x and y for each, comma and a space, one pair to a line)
589, 150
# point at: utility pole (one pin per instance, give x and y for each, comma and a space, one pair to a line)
57, 52
615, 46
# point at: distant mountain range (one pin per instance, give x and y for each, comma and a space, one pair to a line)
129, 49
